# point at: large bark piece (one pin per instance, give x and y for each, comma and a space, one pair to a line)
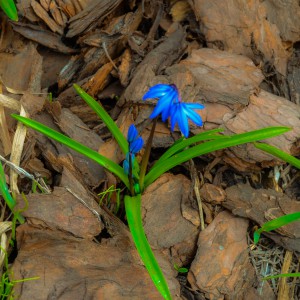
243, 27
60, 210
173, 232
264, 110
218, 76
221, 266
72, 268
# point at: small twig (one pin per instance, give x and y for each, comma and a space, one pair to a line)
84, 203
108, 56
18, 169
43, 187
146, 155
196, 184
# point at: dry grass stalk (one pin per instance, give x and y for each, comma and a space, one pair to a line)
283, 288
4, 227
16, 152
4, 133
10, 103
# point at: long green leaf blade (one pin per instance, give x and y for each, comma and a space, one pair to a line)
211, 146
9, 7
276, 223
204, 136
133, 214
281, 275
279, 153
102, 160
109, 122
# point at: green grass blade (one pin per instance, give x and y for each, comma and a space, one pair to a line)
211, 146
183, 143
10, 201
276, 223
109, 122
8, 6
279, 153
281, 275
133, 214
102, 160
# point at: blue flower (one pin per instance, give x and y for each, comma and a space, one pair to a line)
132, 134
170, 105
136, 143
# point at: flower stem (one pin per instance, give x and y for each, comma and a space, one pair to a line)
146, 156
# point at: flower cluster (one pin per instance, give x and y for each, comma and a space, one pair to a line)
170, 106
135, 145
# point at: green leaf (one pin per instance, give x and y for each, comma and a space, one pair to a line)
133, 214
101, 112
8, 6
276, 223
10, 201
281, 275
182, 143
279, 153
100, 159
210, 146
183, 270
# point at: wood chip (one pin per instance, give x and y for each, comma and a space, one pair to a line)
98, 81
42, 13
56, 14
43, 37
91, 16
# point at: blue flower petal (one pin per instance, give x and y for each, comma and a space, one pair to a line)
136, 145
191, 114
194, 105
158, 91
174, 116
163, 106
132, 133
183, 123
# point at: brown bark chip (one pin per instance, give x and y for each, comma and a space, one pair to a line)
212, 193
60, 210
218, 76
221, 267
265, 110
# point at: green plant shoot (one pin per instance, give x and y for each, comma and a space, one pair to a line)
135, 178
276, 223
